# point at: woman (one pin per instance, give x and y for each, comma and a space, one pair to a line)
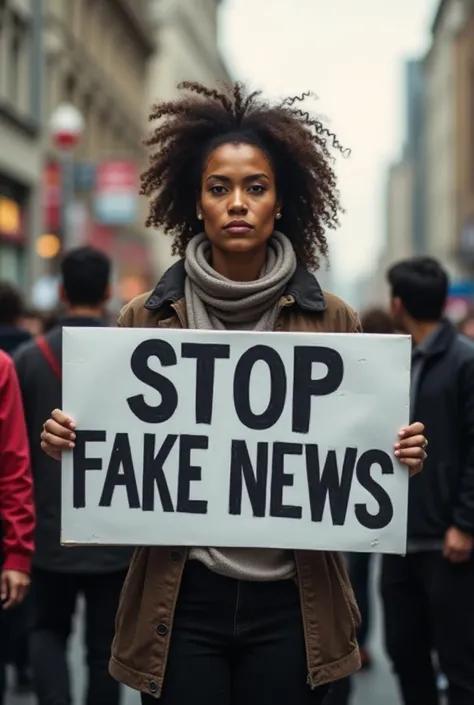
231, 625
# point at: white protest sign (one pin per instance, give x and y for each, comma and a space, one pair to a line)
270, 440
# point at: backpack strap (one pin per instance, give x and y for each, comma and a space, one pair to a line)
48, 355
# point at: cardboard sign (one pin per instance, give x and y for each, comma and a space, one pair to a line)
270, 440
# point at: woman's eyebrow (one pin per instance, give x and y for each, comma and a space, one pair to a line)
251, 177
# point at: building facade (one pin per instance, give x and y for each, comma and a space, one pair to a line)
96, 58
187, 38
404, 203
441, 146
414, 151
20, 135
464, 132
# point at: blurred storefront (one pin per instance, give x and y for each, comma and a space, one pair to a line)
20, 136
96, 58
13, 226
460, 299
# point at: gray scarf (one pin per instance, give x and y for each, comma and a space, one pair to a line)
214, 302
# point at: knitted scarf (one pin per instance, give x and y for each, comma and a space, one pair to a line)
214, 302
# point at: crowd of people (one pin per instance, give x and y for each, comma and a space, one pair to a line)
241, 626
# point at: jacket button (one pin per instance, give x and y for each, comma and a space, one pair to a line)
162, 630
176, 556
153, 687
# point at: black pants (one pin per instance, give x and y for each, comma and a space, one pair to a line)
236, 643
429, 606
55, 596
18, 624
3, 655
340, 693
359, 571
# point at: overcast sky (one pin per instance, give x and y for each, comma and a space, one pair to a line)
351, 55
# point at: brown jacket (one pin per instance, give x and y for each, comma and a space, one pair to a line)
145, 614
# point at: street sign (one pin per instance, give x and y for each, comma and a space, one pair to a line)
116, 199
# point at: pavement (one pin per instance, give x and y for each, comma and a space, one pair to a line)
373, 687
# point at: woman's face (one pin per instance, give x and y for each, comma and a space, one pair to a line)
238, 198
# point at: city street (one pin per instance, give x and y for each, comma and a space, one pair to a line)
374, 687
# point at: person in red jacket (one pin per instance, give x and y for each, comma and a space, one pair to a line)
17, 514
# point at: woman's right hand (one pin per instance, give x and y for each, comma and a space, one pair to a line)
58, 434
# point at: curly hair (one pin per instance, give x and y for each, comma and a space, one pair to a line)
297, 145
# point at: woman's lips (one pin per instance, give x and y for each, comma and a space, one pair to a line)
239, 229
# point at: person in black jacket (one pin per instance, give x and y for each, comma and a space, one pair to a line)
428, 595
60, 574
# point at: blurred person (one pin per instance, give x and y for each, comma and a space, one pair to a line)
50, 320
247, 626
14, 333
17, 515
12, 308
61, 574
427, 595
32, 321
466, 325
377, 321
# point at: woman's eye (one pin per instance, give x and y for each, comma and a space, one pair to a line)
257, 188
217, 189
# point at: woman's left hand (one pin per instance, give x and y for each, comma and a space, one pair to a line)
411, 447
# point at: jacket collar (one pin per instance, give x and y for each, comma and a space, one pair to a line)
445, 335
303, 287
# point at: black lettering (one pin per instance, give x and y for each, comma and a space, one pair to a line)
320, 485
305, 387
169, 396
385, 514
278, 385
81, 464
121, 457
206, 355
255, 481
190, 473
153, 473
280, 479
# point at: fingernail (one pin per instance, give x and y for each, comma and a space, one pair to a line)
397, 445
72, 424
72, 436
72, 445
401, 434
397, 452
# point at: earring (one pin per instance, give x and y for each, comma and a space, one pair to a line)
278, 216
199, 216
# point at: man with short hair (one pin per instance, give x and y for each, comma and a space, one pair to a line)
428, 594
12, 334
60, 574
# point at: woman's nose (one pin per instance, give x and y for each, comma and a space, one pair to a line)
237, 203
